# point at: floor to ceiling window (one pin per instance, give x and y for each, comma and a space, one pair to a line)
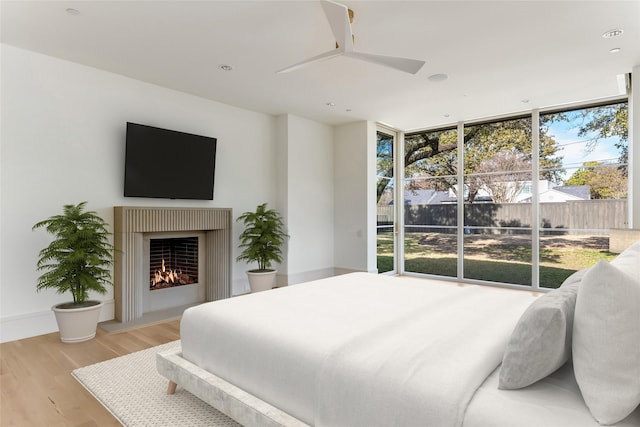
588, 193
479, 205
430, 208
497, 218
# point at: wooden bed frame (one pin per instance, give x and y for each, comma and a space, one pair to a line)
237, 404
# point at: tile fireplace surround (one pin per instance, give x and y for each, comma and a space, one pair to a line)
130, 224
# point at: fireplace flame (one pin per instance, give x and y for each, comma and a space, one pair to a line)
168, 276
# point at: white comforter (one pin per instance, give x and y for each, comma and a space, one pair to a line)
358, 349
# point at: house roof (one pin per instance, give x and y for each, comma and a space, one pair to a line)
427, 197
499, 57
581, 191
563, 194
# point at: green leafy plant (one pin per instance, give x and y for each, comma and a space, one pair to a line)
78, 259
263, 236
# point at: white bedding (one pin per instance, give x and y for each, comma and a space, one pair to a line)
554, 401
358, 349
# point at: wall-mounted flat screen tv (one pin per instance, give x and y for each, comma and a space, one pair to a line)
167, 164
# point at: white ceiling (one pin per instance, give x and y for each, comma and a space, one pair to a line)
496, 54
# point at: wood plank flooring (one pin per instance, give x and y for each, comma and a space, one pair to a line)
36, 386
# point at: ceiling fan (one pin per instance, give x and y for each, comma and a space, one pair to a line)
340, 18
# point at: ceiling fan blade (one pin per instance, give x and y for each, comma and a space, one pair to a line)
323, 56
407, 65
338, 17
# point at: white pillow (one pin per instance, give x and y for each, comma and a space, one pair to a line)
541, 340
606, 342
629, 260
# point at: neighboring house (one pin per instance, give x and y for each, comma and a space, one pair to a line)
583, 192
557, 196
547, 194
428, 197
564, 193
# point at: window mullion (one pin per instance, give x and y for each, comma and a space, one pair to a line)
535, 198
460, 201
399, 231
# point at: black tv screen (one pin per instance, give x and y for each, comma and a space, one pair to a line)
167, 164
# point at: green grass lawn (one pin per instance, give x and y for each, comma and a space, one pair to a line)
505, 259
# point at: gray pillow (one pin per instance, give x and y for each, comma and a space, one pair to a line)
541, 341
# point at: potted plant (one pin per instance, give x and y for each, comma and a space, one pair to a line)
76, 261
261, 242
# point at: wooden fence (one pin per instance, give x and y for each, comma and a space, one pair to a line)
587, 216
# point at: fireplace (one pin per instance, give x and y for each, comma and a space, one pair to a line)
136, 228
173, 261
174, 273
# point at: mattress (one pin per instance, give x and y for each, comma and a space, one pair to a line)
358, 349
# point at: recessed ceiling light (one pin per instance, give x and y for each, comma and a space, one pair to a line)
72, 11
348, 110
615, 50
330, 104
525, 101
438, 77
446, 115
226, 67
612, 33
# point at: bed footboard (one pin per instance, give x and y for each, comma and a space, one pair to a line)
222, 395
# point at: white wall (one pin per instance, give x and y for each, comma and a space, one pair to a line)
305, 197
62, 141
354, 214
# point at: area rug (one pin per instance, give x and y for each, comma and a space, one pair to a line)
133, 391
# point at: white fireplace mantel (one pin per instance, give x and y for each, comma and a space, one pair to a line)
130, 224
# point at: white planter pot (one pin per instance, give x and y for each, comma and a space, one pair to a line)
261, 280
77, 324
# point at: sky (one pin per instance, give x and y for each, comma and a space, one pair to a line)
574, 148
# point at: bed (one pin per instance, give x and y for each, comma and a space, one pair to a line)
371, 350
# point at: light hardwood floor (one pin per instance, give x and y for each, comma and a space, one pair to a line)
36, 386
